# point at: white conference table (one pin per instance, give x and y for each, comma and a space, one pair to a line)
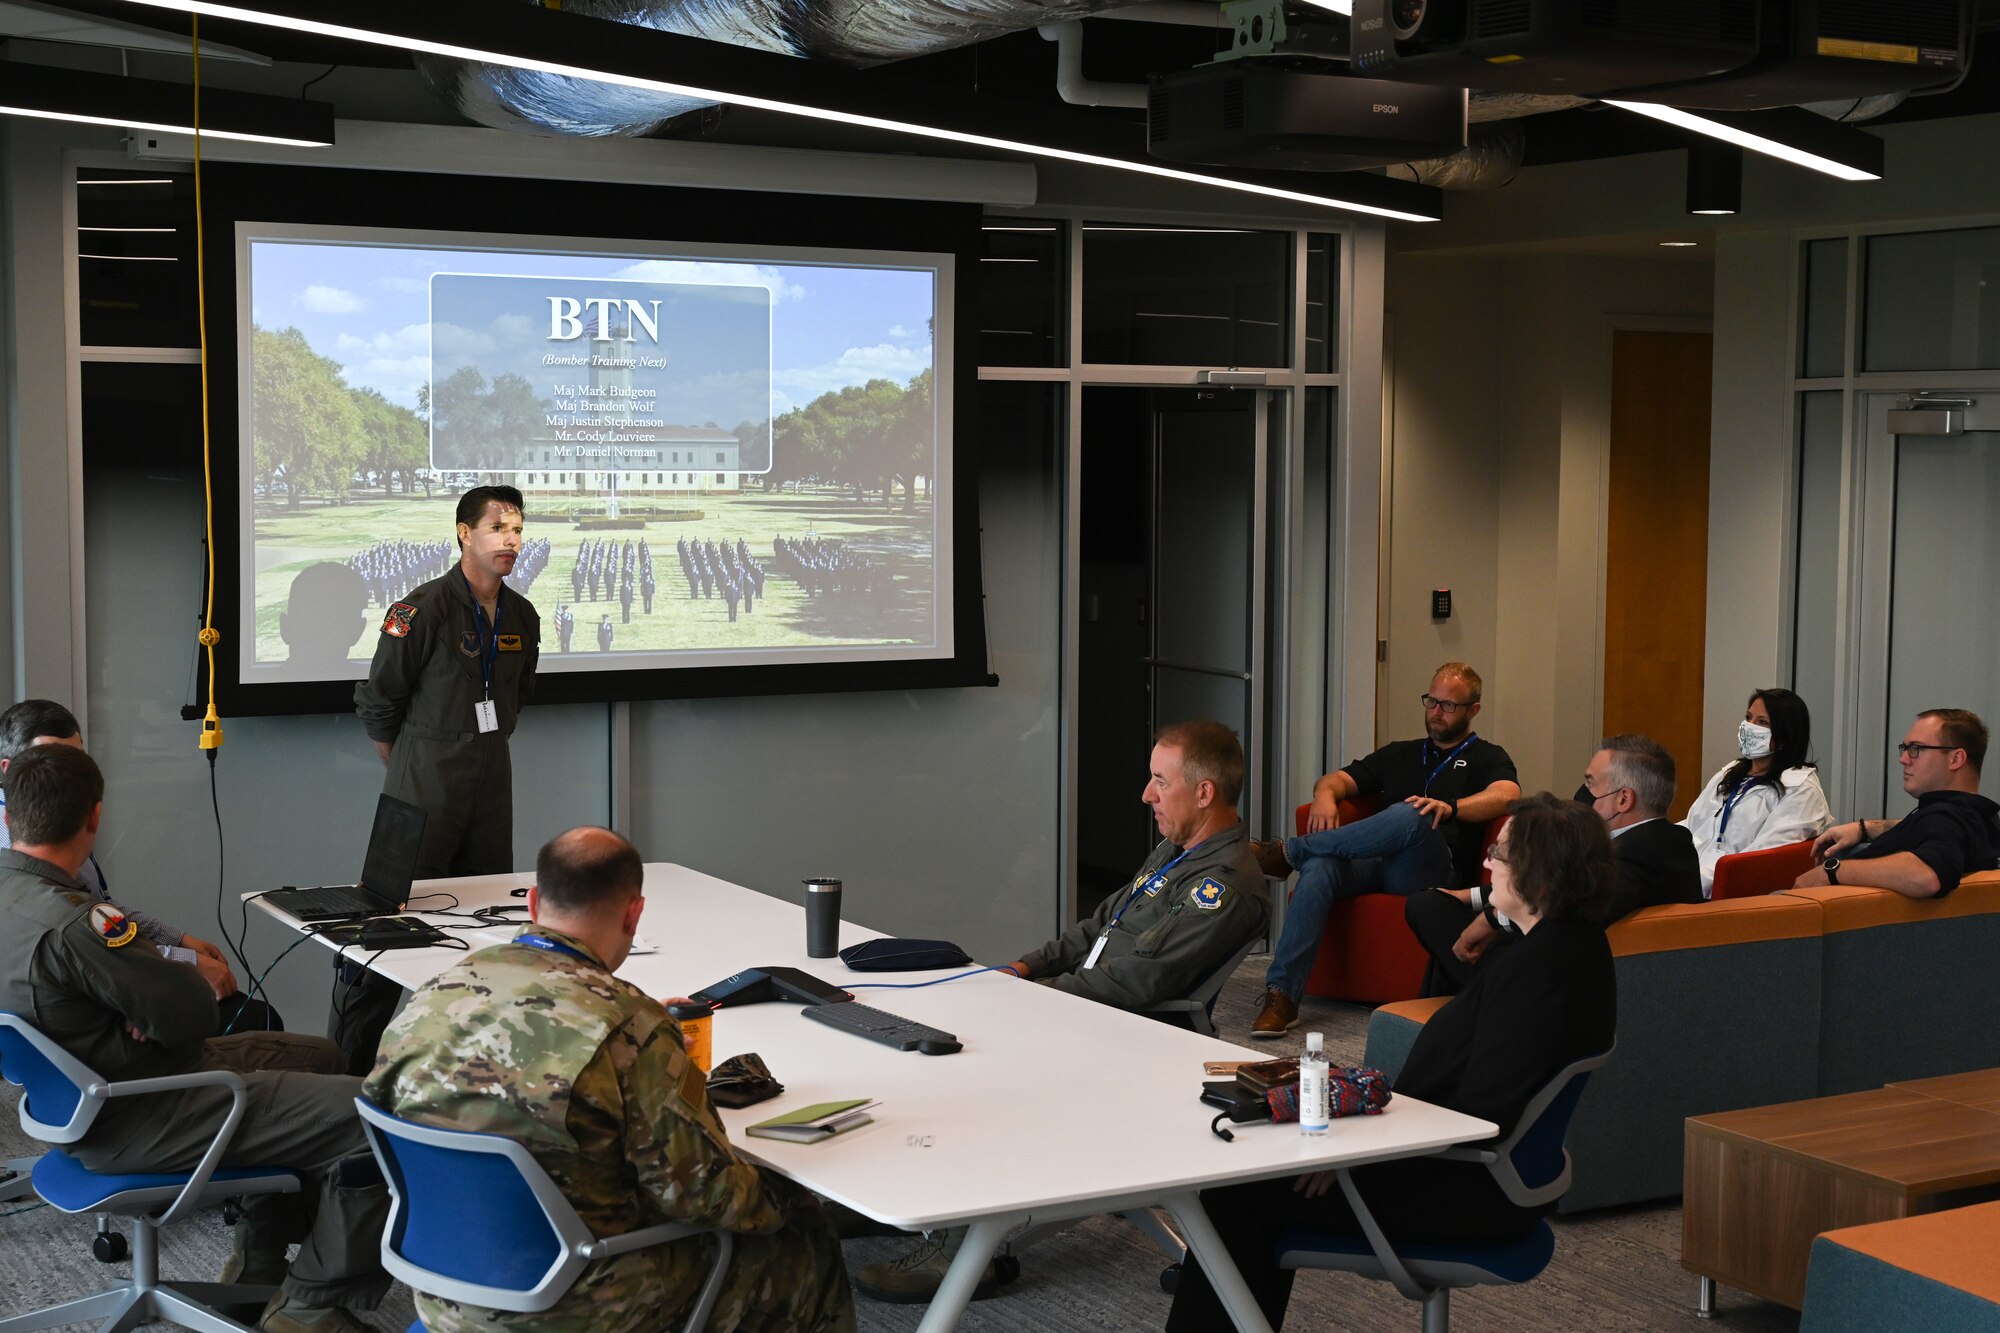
1057, 1108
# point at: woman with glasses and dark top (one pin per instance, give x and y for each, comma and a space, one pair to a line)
1768, 797
1538, 1007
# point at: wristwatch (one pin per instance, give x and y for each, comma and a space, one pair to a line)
1832, 868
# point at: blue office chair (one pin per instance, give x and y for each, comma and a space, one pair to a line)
1532, 1168
61, 1097
475, 1219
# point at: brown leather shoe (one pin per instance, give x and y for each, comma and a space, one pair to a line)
1279, 1015
1271, 857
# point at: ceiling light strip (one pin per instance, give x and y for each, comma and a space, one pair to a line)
157, 127
1742, 138
452, 50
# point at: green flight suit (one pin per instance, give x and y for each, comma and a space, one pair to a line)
1182, 917
427, 679
78, 969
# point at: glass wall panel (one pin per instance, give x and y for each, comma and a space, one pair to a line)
1944, 651
1023, 289
135, 259
1322, 303
1312, 703
1816, 608
1186, 296
1823, 310
1932, 301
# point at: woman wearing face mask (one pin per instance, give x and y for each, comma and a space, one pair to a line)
1769, 797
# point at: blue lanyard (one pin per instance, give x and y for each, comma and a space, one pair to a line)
548, 945
1470, 738
489, 644
1140, 887
1729, 805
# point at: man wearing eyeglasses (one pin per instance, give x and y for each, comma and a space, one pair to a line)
1629, 785
1438, 794
1953, 832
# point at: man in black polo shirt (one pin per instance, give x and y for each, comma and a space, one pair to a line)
1439, 794
1953, 832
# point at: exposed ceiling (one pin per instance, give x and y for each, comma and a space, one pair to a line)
374, 82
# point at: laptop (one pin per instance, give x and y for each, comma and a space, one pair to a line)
386, 873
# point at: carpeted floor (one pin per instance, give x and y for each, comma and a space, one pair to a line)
1618, 1269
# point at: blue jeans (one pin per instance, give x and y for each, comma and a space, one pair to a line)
1396, 851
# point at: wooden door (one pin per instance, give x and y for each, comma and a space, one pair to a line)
1656, 580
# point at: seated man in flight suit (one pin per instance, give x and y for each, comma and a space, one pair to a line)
100, 990
1193, 904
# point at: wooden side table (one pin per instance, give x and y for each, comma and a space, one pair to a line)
1761, 1183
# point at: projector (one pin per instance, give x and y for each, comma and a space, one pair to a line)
1248, 113
1822, 50
1581, 48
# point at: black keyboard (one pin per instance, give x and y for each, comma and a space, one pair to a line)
889, 1029
332, 902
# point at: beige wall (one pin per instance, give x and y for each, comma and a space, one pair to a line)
1469, 389
1500, 396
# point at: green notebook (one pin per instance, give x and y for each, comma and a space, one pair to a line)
810, 1124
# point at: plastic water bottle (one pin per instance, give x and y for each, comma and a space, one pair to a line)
1313, 1070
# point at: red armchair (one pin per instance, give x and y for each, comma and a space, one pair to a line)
1368, 953
1748, 874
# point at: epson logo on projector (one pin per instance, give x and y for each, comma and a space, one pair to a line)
566, 321
1388, 109
1371, 25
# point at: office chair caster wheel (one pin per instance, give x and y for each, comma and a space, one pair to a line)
109, 1247
232, 1212
1170, 1277
1005, 1268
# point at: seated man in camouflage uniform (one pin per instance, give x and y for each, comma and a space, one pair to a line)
1194, 902
602, 1093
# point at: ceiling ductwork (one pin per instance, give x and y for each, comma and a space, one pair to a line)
848, 32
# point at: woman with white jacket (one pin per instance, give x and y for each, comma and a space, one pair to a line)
1769, 797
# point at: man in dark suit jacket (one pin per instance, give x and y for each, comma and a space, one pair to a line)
1630, 784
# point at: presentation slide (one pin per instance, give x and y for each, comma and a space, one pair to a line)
729, 457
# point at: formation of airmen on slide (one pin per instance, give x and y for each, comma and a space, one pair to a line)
392, 568
821, 566
710, 569
607, 569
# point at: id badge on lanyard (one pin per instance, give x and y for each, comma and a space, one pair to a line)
486, 713
1147, 884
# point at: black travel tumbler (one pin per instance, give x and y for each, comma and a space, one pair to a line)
822, 918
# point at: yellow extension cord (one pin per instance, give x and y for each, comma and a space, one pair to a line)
211, 725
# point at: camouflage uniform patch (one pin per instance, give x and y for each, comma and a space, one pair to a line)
589, 1073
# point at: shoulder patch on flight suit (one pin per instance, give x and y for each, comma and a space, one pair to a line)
112, 926
468, 643
510, 643
397, 623
1207, 894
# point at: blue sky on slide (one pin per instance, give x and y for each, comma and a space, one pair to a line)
367, 307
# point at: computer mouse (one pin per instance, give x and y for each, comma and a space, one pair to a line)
935, 1046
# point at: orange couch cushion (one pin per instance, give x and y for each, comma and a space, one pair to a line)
1955, 1247
1704, 925
1416, 1011
1846, 907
